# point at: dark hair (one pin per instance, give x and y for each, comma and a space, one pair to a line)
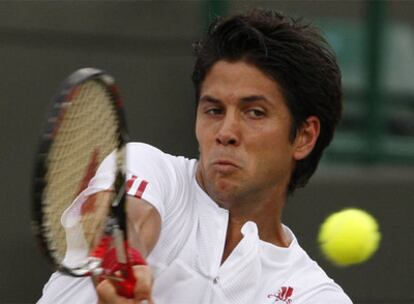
296, 56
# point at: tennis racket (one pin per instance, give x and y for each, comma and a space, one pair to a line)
84, 234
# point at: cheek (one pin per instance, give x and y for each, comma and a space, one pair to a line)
204, 131
198, 132
274, 151
197, 128
202, 140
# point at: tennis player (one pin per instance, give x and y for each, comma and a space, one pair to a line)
268, 92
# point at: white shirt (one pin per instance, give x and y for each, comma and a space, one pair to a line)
187, 257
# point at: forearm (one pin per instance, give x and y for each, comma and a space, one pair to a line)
144, 225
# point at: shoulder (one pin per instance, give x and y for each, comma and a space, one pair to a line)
137, 150
152, 163
168, 178
307, 282
141, 153
314, 285
62, 289
140, 146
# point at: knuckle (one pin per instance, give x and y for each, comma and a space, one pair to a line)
142, 296
144, 282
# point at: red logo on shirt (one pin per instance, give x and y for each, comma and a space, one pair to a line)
141, 186
283, 295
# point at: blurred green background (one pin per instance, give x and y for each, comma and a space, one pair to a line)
147, 47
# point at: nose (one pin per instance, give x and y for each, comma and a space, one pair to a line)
229, 131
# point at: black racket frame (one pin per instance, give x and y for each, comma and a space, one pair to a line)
59, 104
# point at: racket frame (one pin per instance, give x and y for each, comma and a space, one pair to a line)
59, 104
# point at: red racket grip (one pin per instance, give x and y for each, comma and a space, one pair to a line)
125, 287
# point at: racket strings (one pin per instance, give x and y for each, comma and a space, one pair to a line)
86, 134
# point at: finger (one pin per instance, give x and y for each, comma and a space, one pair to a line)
107, 294
143, 288
150, 301
104, 290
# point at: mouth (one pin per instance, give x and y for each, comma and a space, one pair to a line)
225, 163
225, 166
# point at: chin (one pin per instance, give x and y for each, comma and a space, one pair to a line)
223, 192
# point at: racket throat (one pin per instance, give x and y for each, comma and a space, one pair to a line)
119, 245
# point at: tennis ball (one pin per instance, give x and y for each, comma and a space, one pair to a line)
348, 237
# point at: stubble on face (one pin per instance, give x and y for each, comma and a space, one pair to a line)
243, 129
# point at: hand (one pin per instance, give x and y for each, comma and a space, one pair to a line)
143, 289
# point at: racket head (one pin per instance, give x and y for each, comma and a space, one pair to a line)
85, 124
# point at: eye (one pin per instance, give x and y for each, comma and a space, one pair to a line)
256, 113
214, 111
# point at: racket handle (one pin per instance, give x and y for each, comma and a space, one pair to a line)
126, 284
126, 287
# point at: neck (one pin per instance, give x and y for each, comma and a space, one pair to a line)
264, 207
266, 214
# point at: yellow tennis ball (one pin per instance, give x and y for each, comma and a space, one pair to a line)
348, 237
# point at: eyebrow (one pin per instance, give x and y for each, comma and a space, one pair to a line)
208, 98
246, 99
253, 98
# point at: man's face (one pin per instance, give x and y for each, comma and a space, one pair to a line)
242, 128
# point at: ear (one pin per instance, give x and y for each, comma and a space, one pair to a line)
306, 137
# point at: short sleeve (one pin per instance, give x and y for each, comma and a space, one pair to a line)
63, 289
151, 175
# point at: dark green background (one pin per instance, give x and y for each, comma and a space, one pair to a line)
147, 47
